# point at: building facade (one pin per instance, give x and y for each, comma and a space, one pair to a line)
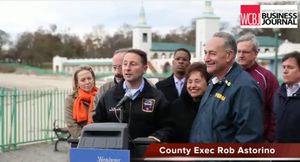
160, 54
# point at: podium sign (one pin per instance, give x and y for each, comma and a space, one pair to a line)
98, 155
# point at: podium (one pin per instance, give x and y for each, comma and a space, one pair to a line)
102, 142
98, 155
108, 141
105, 136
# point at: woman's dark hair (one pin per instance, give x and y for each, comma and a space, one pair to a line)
198, 66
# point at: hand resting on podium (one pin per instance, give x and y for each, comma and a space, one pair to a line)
146, 140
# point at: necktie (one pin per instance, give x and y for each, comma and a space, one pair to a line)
179, 86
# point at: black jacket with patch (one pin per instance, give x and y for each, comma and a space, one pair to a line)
147, 115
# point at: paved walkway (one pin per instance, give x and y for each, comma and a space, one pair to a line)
42, 152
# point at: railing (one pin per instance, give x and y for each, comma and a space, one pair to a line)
27, 116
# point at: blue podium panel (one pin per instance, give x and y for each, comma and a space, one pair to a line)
98, 155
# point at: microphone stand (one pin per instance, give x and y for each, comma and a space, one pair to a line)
121, 114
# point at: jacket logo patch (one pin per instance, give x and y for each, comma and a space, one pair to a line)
148, 105
220, 96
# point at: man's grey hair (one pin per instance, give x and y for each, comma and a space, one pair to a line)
249, 37
229, 41
121, 50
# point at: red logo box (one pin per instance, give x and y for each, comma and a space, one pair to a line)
250, 15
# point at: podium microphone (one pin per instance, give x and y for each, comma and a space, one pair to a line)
126, 97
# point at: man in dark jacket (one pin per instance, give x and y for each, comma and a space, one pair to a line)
231, 108
173, 85
287, 101
146, 109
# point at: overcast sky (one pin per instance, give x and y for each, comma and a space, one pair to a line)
81, 16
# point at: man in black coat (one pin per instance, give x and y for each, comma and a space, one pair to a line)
173, 85
146, 108
287, 101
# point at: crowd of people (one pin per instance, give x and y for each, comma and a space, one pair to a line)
227, 98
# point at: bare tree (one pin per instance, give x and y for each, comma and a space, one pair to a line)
4, 39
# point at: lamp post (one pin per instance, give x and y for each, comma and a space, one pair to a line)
276, 32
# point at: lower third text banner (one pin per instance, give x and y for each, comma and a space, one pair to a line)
192, 152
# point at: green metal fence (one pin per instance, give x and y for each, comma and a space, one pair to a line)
27, 116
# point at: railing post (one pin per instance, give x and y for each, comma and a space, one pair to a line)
49, 112
13, 123
2, 118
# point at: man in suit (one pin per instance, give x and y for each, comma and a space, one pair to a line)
287, 101
173, 85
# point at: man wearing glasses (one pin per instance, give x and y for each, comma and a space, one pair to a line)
247, 50
118, 76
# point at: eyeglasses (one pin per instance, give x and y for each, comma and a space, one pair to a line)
117, 67
244, 52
